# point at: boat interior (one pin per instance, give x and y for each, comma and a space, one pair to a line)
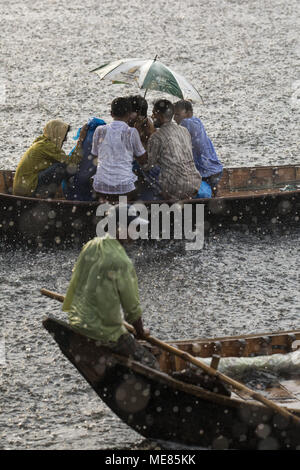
241, 181
279, 383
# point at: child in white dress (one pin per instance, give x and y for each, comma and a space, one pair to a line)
116, 145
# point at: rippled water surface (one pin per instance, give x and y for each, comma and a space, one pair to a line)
243, 58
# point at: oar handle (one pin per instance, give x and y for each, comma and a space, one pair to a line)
53, 295
189, 358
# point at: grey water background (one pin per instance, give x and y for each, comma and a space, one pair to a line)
244, 59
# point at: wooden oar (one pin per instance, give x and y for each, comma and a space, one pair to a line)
209, 370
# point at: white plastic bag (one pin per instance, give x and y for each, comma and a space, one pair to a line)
276, 363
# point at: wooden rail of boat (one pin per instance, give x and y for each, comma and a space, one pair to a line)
235, 182
250, 198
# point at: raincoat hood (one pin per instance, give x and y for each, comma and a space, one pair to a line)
56, 131
90, 261
103, 280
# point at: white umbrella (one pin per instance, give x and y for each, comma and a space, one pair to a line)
149, 75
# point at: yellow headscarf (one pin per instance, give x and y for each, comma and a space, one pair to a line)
56, 131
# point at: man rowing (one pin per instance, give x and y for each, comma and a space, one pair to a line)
103, 281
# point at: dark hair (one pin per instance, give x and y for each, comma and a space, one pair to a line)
165, 107
184, 104
138, 105
120, 107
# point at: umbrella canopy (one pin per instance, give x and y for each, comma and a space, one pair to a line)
149, 75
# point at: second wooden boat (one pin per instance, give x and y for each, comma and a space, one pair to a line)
161, 405
247, 198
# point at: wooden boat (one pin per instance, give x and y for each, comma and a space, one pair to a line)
247, 197
161, 407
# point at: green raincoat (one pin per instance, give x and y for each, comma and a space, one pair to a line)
103, 280
45, 150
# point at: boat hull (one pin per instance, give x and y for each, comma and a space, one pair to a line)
248, 198
160, 407
59, 222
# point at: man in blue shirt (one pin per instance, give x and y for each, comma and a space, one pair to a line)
206, 160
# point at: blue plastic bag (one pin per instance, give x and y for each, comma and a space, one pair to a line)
79, 186
204, 191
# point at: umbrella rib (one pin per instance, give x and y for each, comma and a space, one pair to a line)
97, 68
122, 62
174, 76
198, 93
154, 60
179, 88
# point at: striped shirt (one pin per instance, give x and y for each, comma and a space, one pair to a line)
170, 147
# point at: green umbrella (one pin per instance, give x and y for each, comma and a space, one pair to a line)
149, 75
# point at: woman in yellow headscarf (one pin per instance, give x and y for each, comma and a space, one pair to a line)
44, 165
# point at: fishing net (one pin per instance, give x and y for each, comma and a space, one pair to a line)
278, 364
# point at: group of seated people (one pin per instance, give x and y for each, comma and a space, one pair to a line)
141, 157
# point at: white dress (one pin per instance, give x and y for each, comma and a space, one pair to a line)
116, 144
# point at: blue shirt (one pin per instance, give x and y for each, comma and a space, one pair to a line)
79, 186
206, 160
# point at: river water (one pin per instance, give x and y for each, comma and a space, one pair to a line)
242, 56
